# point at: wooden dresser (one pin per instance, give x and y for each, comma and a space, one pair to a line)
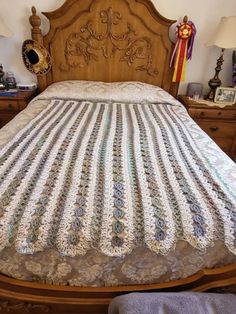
11, 105
218, 123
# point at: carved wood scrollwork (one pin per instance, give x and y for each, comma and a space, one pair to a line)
22, 307
83, 47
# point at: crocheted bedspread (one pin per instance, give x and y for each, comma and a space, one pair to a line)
111, 176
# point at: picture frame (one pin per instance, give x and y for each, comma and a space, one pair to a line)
225, 95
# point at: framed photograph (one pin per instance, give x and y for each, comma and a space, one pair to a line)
225, 95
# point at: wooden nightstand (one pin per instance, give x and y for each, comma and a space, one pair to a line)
11, 105
218, 123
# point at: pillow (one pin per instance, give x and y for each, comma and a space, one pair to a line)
132, 92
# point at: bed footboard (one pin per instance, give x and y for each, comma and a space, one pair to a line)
27, 297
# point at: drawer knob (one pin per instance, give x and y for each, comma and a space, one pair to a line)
202, 113
214, 129
219, 113
10, 106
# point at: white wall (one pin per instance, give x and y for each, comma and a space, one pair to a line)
205, 14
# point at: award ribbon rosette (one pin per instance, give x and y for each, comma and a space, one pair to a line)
185, 32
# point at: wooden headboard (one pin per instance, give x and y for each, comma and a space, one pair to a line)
107, 40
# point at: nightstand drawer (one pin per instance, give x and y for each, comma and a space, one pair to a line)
212, 113
224, 143
5, 118
9, 105
218, 129
218, 123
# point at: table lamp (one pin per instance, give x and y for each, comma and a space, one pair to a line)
5, 32
224, 38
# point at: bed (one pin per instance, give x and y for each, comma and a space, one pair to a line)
144, 234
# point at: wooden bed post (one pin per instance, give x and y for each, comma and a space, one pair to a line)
36, 35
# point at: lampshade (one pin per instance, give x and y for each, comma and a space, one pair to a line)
225, 35
4, 30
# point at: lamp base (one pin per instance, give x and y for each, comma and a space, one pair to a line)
215, 81
2, 86
213, 84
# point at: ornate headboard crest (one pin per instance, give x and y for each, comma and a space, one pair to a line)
107, 40
87, 45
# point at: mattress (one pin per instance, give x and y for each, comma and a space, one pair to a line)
137, 249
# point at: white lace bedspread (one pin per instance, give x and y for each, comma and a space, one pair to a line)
112, 185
